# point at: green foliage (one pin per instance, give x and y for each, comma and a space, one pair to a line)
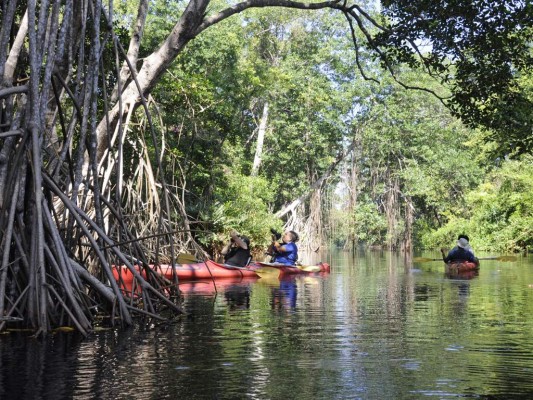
310, 107
446, 236
482, 49
370, 226
211, 100
413, 150
365, 225
241, 204
501, 210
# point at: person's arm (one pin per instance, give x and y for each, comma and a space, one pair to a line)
241, 243
472, 257
444, 256
278, 247
287, 247
226, 248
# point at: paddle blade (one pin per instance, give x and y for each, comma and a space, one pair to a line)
186, 258
506, 258
500, 258
267, 271
310, 268
423, 259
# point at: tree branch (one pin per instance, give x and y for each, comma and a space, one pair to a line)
319, 182
239, 7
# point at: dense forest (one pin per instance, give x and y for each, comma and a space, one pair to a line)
134, 131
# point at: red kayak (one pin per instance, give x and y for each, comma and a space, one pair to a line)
204, 270
207, 287
461, 266
291, 269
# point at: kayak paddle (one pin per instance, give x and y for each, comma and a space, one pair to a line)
186, 258
500, 258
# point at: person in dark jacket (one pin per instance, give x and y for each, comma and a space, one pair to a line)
237, 252
460, 253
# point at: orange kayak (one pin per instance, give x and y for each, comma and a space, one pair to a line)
462, 266
204, 270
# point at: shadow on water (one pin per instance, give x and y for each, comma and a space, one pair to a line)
237, 297
33, 369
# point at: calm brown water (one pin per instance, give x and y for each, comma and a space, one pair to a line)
377, 327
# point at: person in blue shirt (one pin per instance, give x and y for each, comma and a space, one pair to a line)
285, 251
460, 253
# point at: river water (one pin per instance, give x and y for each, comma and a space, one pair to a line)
376, 327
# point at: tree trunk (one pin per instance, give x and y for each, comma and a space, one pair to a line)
407, 243
133, 50
260, 140
352, 185
391, 211
191, 23
318, 183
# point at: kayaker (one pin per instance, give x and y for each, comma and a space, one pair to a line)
469, 248
237, 252
285, 251
460, 253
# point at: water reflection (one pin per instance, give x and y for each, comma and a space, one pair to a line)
33, 369
422, 292
371, 329
465, 275
284, 296
237, 296
209, 287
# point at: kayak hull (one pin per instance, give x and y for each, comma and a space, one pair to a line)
463, 266
465, 275
195, 271
207, 270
